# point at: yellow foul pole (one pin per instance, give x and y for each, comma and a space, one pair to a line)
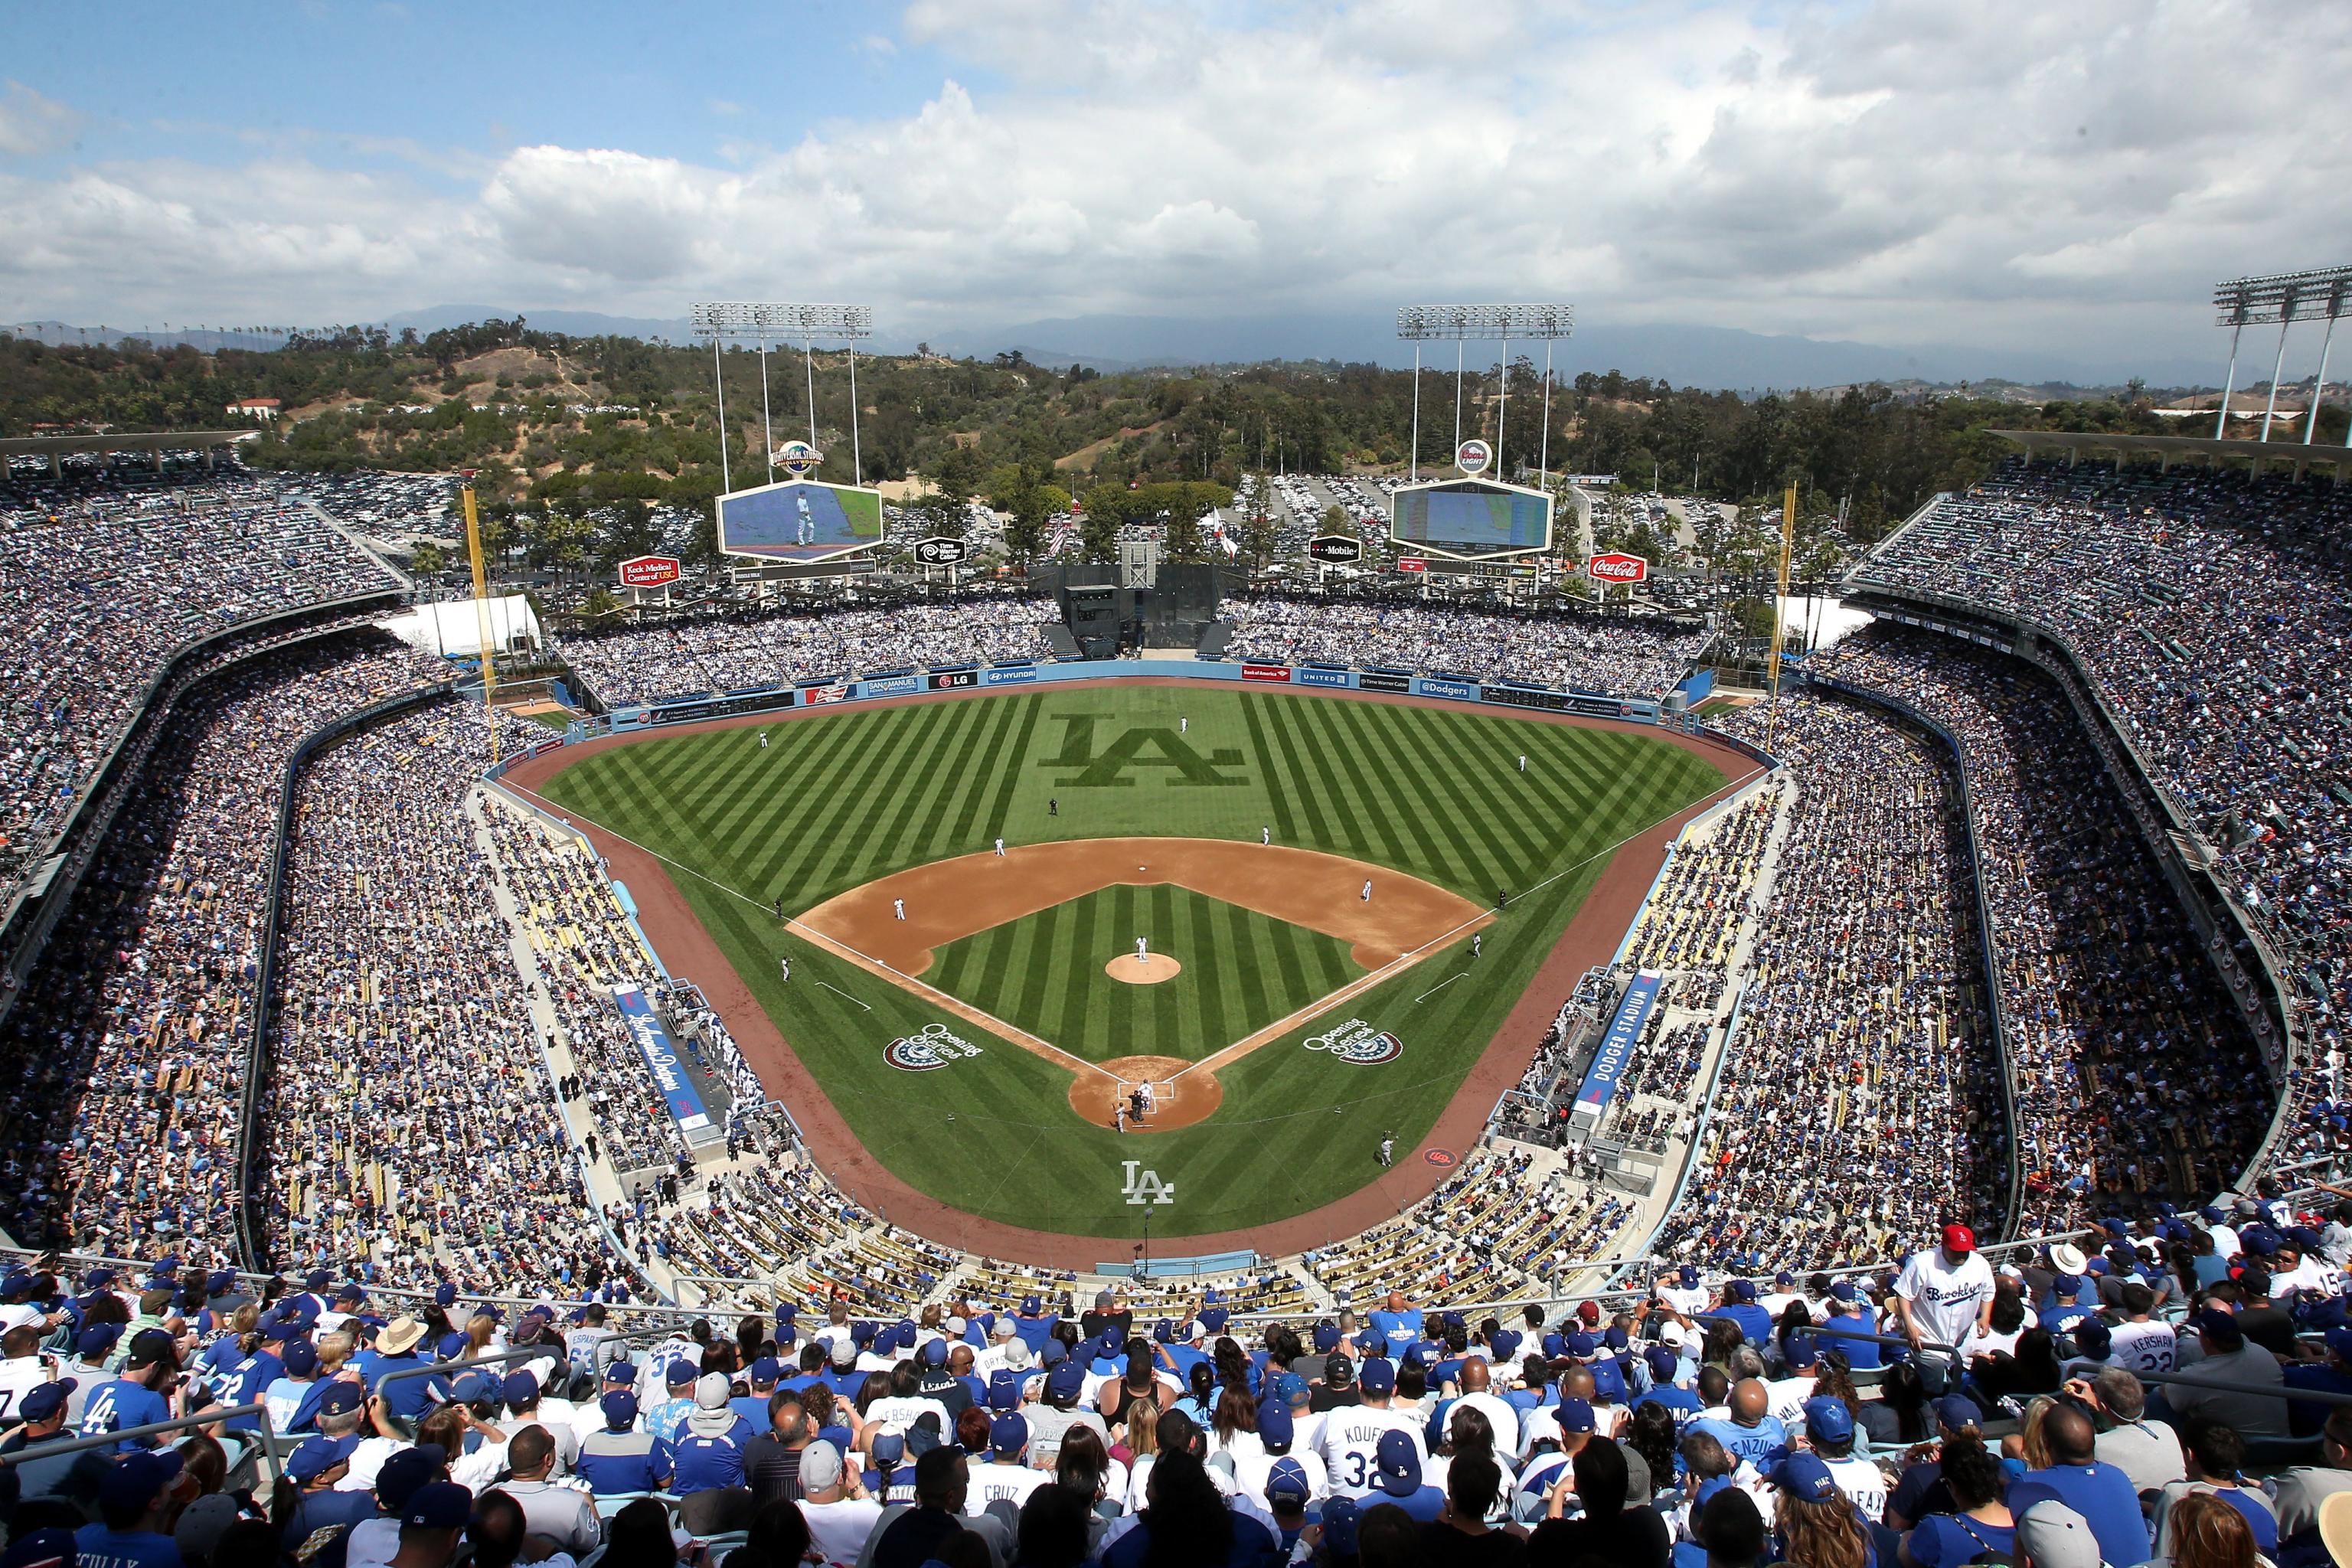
1780, 629
482, 619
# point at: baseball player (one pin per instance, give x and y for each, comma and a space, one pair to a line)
1477, 941
1054, 805
808, 522
1387, 1149
1523, 761
898, 908
784, 967
1118, 1114
999, 849
1183, 725
1265, 836
1143, 949
1143, 1097
1366, 894
763, 740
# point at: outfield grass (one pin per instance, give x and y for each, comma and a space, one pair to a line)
1241, 971
836, 801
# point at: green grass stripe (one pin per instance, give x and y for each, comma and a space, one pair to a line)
1276, 783
1319, 785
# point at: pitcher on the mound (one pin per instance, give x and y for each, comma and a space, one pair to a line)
1143, 949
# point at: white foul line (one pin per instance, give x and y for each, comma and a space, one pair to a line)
837, 991
1430, 992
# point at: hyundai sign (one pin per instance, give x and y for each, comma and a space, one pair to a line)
649, 572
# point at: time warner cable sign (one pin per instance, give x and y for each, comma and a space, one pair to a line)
678, 1090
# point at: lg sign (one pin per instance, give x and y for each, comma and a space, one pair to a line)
1617, 567
649, 572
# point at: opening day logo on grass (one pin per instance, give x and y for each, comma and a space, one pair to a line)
1358, 1044
932, 1047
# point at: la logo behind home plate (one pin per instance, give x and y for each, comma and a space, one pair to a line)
1146, 1187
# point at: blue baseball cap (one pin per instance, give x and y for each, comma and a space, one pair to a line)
1399, 1464
1554, 1346
439, 1505
1663, 1361
1827, 1420
1275, 1429
1066, 1381
621, 1374
1287, 1488
1573, 1414
1505, 1345
137, 1479
1376, 1376
1743, 1289
1581, 1345
314, 1457
1804, 1475
1342, 1519
767, 1372
2091, 1338
341, 1398
1688, 1274
97, 1340
1958, 1413
1843, 1290
521, 1388
301, 1359
1008, 1434
682, 1373
46, 1399
1031, 1306
620, 1407
445, 1294
1801, 1352
49, 1548
888, 1447
1291, 1389
1327, 1337
935, 1353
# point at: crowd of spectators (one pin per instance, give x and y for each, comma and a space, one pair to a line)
2113, 1010
1607, 655
2209, 610
628, 665
1859, 1106
126, 1053
1690, 922
100, 595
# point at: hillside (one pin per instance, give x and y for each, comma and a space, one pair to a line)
551, 418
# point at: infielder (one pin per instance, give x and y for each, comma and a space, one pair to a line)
1265, 837
1366, 894
898, 908
1477, 941
1523, 761
784, 968
1387, 1149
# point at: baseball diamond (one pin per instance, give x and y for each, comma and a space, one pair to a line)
1161, 794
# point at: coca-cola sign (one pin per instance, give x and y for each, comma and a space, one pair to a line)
649, 571
1615, 566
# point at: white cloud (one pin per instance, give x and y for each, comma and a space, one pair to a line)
2010, 173
30, 123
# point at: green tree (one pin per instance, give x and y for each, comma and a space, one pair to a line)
427, 560
1024, 533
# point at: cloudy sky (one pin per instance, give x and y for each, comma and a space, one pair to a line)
2006, 172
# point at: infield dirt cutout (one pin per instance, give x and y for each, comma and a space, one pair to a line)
1403, 920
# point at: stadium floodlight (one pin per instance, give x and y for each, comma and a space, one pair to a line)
2286, 297
1483, 324
761, 321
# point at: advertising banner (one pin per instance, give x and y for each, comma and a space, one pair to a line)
654, 1042
1460, 691
1254, 671
1383, 680
895, 686
1022, 675
1525, 697
1608, 1063
950, 680
1306, 675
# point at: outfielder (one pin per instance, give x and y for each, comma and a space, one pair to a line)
999, 849
763, 740
784, 968
1265, 837
1387, 1149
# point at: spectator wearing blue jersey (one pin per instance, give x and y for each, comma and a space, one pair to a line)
620, 1458
1397, 1323
1738, 1304
141, 1396
137, 1503
1750, 1431
665, 1416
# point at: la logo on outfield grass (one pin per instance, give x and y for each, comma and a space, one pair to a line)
1146, 1187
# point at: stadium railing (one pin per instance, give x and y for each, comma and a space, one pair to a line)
271, 1439
500, 1358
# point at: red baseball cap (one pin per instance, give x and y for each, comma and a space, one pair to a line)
1959, 1239
1589, 1310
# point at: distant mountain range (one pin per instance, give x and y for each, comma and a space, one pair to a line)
1709, 357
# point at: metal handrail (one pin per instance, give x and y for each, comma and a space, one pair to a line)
2238, 1385
525, 1352
211, 1416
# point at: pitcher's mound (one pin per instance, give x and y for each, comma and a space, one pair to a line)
1143, 971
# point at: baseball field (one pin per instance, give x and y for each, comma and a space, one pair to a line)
1338, 902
